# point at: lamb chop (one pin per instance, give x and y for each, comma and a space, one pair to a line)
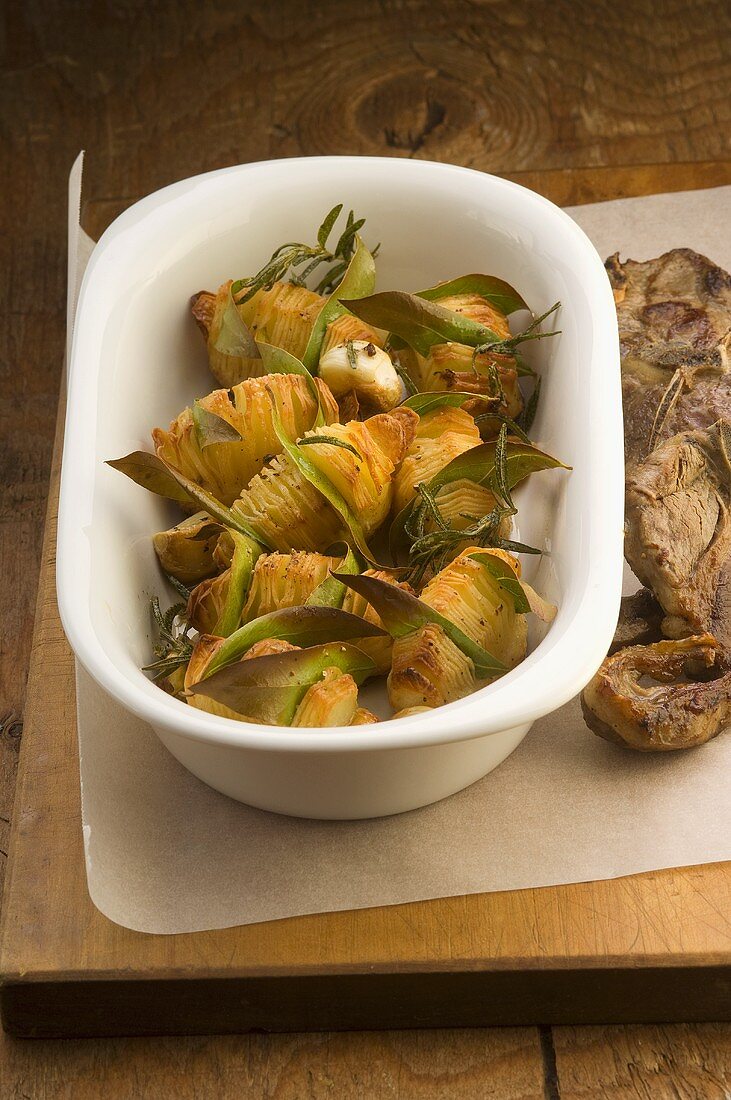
678, 531
674, 315
673, 710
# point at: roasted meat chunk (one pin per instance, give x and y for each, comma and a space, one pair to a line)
672, 711
675, 333
640, 619
678, 531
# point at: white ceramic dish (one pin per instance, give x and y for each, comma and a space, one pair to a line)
137, 360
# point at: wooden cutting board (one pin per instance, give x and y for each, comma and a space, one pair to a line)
652, 947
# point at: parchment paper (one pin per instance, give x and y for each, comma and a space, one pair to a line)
167, 854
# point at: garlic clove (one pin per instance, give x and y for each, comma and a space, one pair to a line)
362, 366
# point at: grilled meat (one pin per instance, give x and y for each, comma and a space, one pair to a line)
674, 316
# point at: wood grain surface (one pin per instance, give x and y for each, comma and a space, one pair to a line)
160, 92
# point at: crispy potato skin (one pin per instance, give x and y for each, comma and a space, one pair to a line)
331, 702
439, 437
428, 668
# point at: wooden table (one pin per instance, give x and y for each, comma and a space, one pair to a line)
518, 89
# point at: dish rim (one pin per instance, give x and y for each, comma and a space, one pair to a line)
584, 639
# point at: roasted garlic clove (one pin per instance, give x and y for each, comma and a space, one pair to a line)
365, 368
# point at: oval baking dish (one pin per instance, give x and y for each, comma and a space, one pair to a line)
137, 359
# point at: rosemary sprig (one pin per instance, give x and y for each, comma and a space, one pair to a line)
432, 550
300, 260
529, 412
511, 343
179, 587
173, 647
494, 379
332, 442
509, 347
501, 469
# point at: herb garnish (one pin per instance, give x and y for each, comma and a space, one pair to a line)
173, 647
529, 412
510, 344
332, 442
432, 550
289, 259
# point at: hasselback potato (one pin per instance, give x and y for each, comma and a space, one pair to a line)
224, 469
429, 669
285, 508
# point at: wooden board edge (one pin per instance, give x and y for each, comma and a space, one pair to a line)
365, 1001
422, 968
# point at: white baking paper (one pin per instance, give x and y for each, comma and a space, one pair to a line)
167, 854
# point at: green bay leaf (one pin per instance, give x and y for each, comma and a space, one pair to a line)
211, 428
234, 336
420, 323
269, 689
301, 626
496, 291
402, 614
